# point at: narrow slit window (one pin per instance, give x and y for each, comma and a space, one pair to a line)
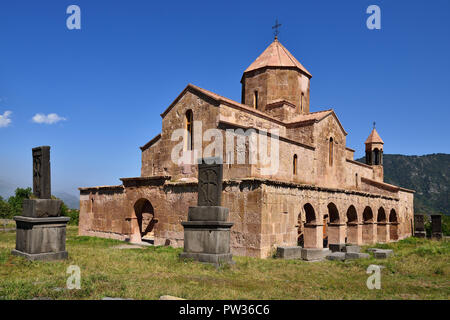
331, 148
255, 100
294, 165
189, 130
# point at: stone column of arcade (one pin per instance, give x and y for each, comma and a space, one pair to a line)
40, 230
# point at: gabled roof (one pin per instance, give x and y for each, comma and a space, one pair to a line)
276, 55
315, 117
374, 137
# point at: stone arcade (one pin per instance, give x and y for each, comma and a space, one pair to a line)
40, 231
319, 197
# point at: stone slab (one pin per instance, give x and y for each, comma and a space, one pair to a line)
40, 208
294, 252
311, 254
352, 249
356, 255
420, 234
208, 213
208, 257
337, 247
336, 256
167, 297
48, 256
210, 174
383, 253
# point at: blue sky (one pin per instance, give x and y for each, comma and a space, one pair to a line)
111, 79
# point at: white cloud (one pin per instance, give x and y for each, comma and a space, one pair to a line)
47, 119
4, 119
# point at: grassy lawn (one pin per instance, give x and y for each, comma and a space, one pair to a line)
420, 269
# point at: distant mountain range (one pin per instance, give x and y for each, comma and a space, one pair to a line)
428, 175
71, 200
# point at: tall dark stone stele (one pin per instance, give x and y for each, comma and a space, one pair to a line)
207, 232
41, 231
436, 226
419, 226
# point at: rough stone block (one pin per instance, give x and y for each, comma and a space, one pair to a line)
207, 213
209, 237
356, 255
336, 256
382, 254
312, 254
352, 249
289, 252
41, 238
41, 208
339, 247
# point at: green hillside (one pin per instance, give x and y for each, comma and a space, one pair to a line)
428, 175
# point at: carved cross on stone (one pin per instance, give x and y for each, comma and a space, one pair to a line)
210, 173
41, 172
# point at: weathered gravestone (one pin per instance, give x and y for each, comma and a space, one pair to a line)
207, 232
419, 226
436, 226
41, 231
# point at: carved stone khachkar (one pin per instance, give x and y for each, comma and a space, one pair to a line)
419, 226
207, 232
436, 226
41, 231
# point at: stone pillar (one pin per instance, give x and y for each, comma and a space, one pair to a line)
382, 232
354, 233
207, 232
313, 236
419, 226
336, 236
393, 230
436, 226
369, 233
41, 231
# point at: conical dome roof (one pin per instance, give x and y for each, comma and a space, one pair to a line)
374, 137
276, 55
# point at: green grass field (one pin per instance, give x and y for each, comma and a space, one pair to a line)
420, 269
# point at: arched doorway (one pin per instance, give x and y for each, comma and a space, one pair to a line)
393, 225
313, 232
382, 235
369, 227
143, 227
353, 227
336, 229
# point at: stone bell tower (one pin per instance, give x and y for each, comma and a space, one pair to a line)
276, 83
374, 153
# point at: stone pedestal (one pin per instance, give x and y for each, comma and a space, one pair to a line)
207, 235
419, 226
41, 238
336, 236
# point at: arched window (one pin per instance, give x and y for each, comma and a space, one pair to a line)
294, 165
255, 99
376, 155
190, 130
331, 147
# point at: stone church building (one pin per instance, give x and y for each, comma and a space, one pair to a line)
319, 195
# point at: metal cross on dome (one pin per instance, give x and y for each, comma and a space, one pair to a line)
276, 26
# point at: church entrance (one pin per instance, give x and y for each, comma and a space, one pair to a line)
143, 225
